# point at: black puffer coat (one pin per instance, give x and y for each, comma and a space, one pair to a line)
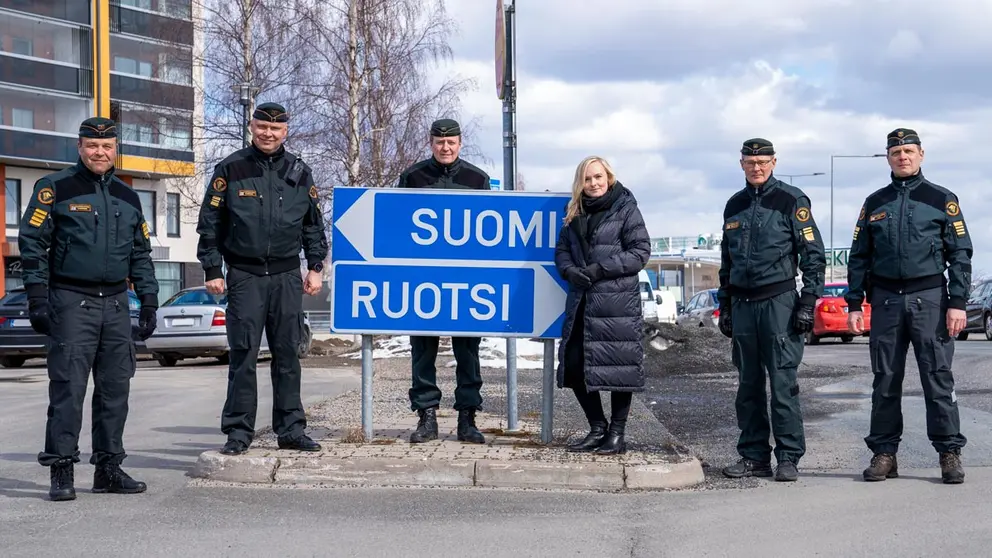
606, 318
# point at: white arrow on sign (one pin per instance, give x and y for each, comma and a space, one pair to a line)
549, 300
357, 224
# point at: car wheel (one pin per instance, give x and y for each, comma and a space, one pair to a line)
988, 327
846, 338
167, 361
306, 343
12, 361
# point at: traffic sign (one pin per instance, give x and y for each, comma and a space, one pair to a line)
446, 262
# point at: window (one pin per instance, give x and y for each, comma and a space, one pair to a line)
23, 46
13, 201
144, 4
22, 118
148, 208
172, 214
133, 67
170, 279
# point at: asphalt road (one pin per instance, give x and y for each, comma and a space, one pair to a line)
829, 512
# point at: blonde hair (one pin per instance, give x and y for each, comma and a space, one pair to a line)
578, 183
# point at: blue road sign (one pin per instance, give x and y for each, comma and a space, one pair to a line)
442, 262
494, 184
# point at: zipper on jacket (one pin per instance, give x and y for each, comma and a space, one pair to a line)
750, 239
106, 236
899, 235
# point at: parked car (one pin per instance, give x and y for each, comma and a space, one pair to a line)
979, 311
668, 308
830, 315
702, 310
193, 324
18, 342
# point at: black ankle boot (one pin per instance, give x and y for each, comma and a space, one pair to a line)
613, 443
63, 481
110, 478
593, 439
426, 427
467, 432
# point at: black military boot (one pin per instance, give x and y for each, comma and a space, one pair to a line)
109, 477
467, 432
593, 439
302, 443
883, 466
613, 442
426, 427
786, 472
748, 468
63, 480
951, 470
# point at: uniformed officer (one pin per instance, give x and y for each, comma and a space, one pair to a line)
82, 237
907, 235
768, 232
445, 169
260, 209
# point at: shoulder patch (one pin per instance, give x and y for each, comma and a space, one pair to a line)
219, 184
878, 216
802, 214
313, 191
861, 216
952, 209
46, 195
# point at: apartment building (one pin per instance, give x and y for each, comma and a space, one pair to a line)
62, 61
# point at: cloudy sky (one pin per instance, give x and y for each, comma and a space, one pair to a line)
668, 89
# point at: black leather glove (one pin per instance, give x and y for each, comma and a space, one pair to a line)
38, 312
594, 272
577, 277
726, 323
802, 319
147, 322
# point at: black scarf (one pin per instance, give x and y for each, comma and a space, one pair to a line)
593, 212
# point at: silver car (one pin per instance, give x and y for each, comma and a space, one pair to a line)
193, 324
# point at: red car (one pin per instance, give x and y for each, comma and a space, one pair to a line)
830, 315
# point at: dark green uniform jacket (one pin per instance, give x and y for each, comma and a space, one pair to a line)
84, 232
431, 174
769, 232
907, 235
257, 215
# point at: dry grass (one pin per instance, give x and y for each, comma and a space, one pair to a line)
354, 436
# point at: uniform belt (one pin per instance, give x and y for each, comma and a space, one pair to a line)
902, 286
764, 291
263, 267
88, 287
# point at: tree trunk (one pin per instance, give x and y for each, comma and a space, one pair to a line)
354, 90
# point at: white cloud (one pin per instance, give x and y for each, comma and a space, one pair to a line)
674, 137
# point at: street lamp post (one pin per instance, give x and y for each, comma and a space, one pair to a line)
832, 157
791, 177
246, 94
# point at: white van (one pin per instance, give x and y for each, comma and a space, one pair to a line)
668, 309
649, 307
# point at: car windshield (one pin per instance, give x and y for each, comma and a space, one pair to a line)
834, 290
16, 298
197, 297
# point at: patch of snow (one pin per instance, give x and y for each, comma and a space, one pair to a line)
492, 352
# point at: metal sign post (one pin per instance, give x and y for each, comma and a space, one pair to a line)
474, 263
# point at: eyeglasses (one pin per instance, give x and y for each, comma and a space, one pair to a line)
764, 163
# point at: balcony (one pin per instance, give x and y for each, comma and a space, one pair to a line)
33, 37
40, 126
154, 140
77, 11
146, 24
44, 75
149, 92
145, 59
178, 9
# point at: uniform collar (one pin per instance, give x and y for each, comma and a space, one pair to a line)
263, 156
454, 167
908, 182
82, 169
761, 189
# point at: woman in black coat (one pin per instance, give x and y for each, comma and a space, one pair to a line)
601, 249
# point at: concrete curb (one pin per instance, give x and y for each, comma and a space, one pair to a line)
601, 475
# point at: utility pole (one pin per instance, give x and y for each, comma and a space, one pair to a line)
506, 88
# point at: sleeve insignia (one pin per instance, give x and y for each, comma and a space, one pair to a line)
808, 234
802, 214
959, 228
214, 201
144, 230
46, 195
313, 191
220, 184
952, 209
38, 217
856, 231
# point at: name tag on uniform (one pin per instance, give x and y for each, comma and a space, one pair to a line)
247, 193
732, 225
877, 217
80, 207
